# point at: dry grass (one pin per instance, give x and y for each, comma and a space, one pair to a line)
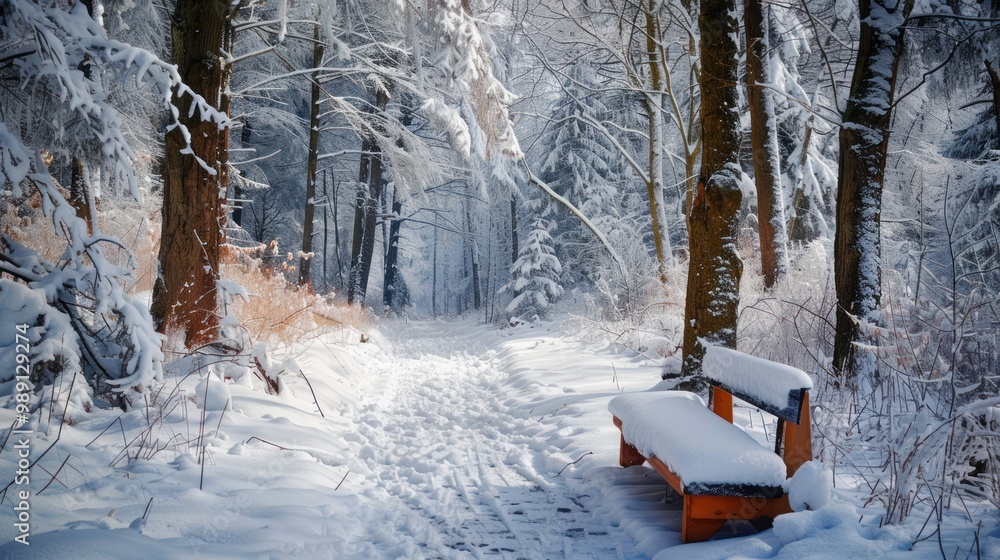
280, 313
126, 221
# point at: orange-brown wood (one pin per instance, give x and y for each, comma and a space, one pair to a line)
628, 455
667, 474
704, 515
735, 507
722, 404
798, 439
697, 530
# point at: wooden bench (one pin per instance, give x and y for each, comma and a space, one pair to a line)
719, 470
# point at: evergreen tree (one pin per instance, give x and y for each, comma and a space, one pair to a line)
581, 166
534, 275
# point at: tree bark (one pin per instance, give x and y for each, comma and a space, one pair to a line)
995, 82
305, 259
184, 295
864, 143
79, 193
366, 213
395, 294
654, 183
715, 268
514, 243
764, 141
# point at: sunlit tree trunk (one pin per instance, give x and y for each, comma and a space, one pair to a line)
184, 295
715, 267
864, 142
764, 141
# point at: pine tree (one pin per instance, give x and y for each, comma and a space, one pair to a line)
534, 275
581, 166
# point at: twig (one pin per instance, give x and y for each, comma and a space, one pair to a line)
574, 462
269, 443
58, 436
117, 419
315, 400
349, 472
55, 475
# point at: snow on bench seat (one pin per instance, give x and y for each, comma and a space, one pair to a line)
708, 454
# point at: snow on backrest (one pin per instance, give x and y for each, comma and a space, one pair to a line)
776, 388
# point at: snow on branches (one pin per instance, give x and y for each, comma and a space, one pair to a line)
67, 67
535, 273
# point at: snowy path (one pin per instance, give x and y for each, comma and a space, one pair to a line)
456, 465
440, 439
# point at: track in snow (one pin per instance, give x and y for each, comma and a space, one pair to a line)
455, 469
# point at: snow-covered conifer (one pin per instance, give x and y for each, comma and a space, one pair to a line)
535, 273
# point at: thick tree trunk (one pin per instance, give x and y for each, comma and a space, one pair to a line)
713, 286
864, 142
184, 295
305, 260
764, 140
366, 213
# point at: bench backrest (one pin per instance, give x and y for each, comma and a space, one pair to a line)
779, 389
776, 388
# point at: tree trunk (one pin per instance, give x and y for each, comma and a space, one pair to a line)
799, 228
184, 295
513, 230
713, 286
995, 82
305, 260
395, 294
473, 253
363, 247
360, 202
79, 193
654, 184
336, 238
864, 142
764, 141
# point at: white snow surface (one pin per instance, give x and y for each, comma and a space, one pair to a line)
692, 441
440, 440
768, 382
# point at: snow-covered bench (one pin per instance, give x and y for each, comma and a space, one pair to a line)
720, 471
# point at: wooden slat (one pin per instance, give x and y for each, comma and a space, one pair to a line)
798, 439
722, 404
732, 507
672, 479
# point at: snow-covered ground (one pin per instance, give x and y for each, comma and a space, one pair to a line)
432, 440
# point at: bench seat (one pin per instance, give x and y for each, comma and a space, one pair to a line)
709, 455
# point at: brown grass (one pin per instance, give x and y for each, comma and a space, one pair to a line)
280, 313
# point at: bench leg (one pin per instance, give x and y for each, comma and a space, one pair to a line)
699, 530
628, 455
